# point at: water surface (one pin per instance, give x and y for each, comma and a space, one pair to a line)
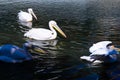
84, 22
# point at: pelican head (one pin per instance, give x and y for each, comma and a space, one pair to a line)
30, 10
112, 47
54, 25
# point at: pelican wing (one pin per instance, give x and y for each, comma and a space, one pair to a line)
24, 16
99, 45
39, 34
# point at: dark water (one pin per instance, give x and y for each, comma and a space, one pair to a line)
84, 22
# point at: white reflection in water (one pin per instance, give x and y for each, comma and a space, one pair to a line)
43, 44
26, 24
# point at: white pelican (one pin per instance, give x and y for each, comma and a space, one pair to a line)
45, 34
26, 16
97, 47
103, 51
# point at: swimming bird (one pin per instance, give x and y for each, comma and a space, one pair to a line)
13, 54
45, 34
26, 16
103, 51
102, 45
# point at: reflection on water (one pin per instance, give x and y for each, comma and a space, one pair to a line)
23, 71
26, 24
84, 21
113, 71
44, 44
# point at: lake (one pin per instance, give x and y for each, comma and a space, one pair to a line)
84, 22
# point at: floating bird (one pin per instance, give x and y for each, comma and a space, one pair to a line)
26, 16
103, 51
102, 45
45, 34
13, 54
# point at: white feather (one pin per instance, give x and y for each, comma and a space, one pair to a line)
24, 16
39, 34
44, 34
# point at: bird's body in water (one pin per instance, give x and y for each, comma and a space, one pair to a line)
26, 16
103, 51
45, 34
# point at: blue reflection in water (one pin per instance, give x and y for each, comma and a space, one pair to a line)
113, 70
